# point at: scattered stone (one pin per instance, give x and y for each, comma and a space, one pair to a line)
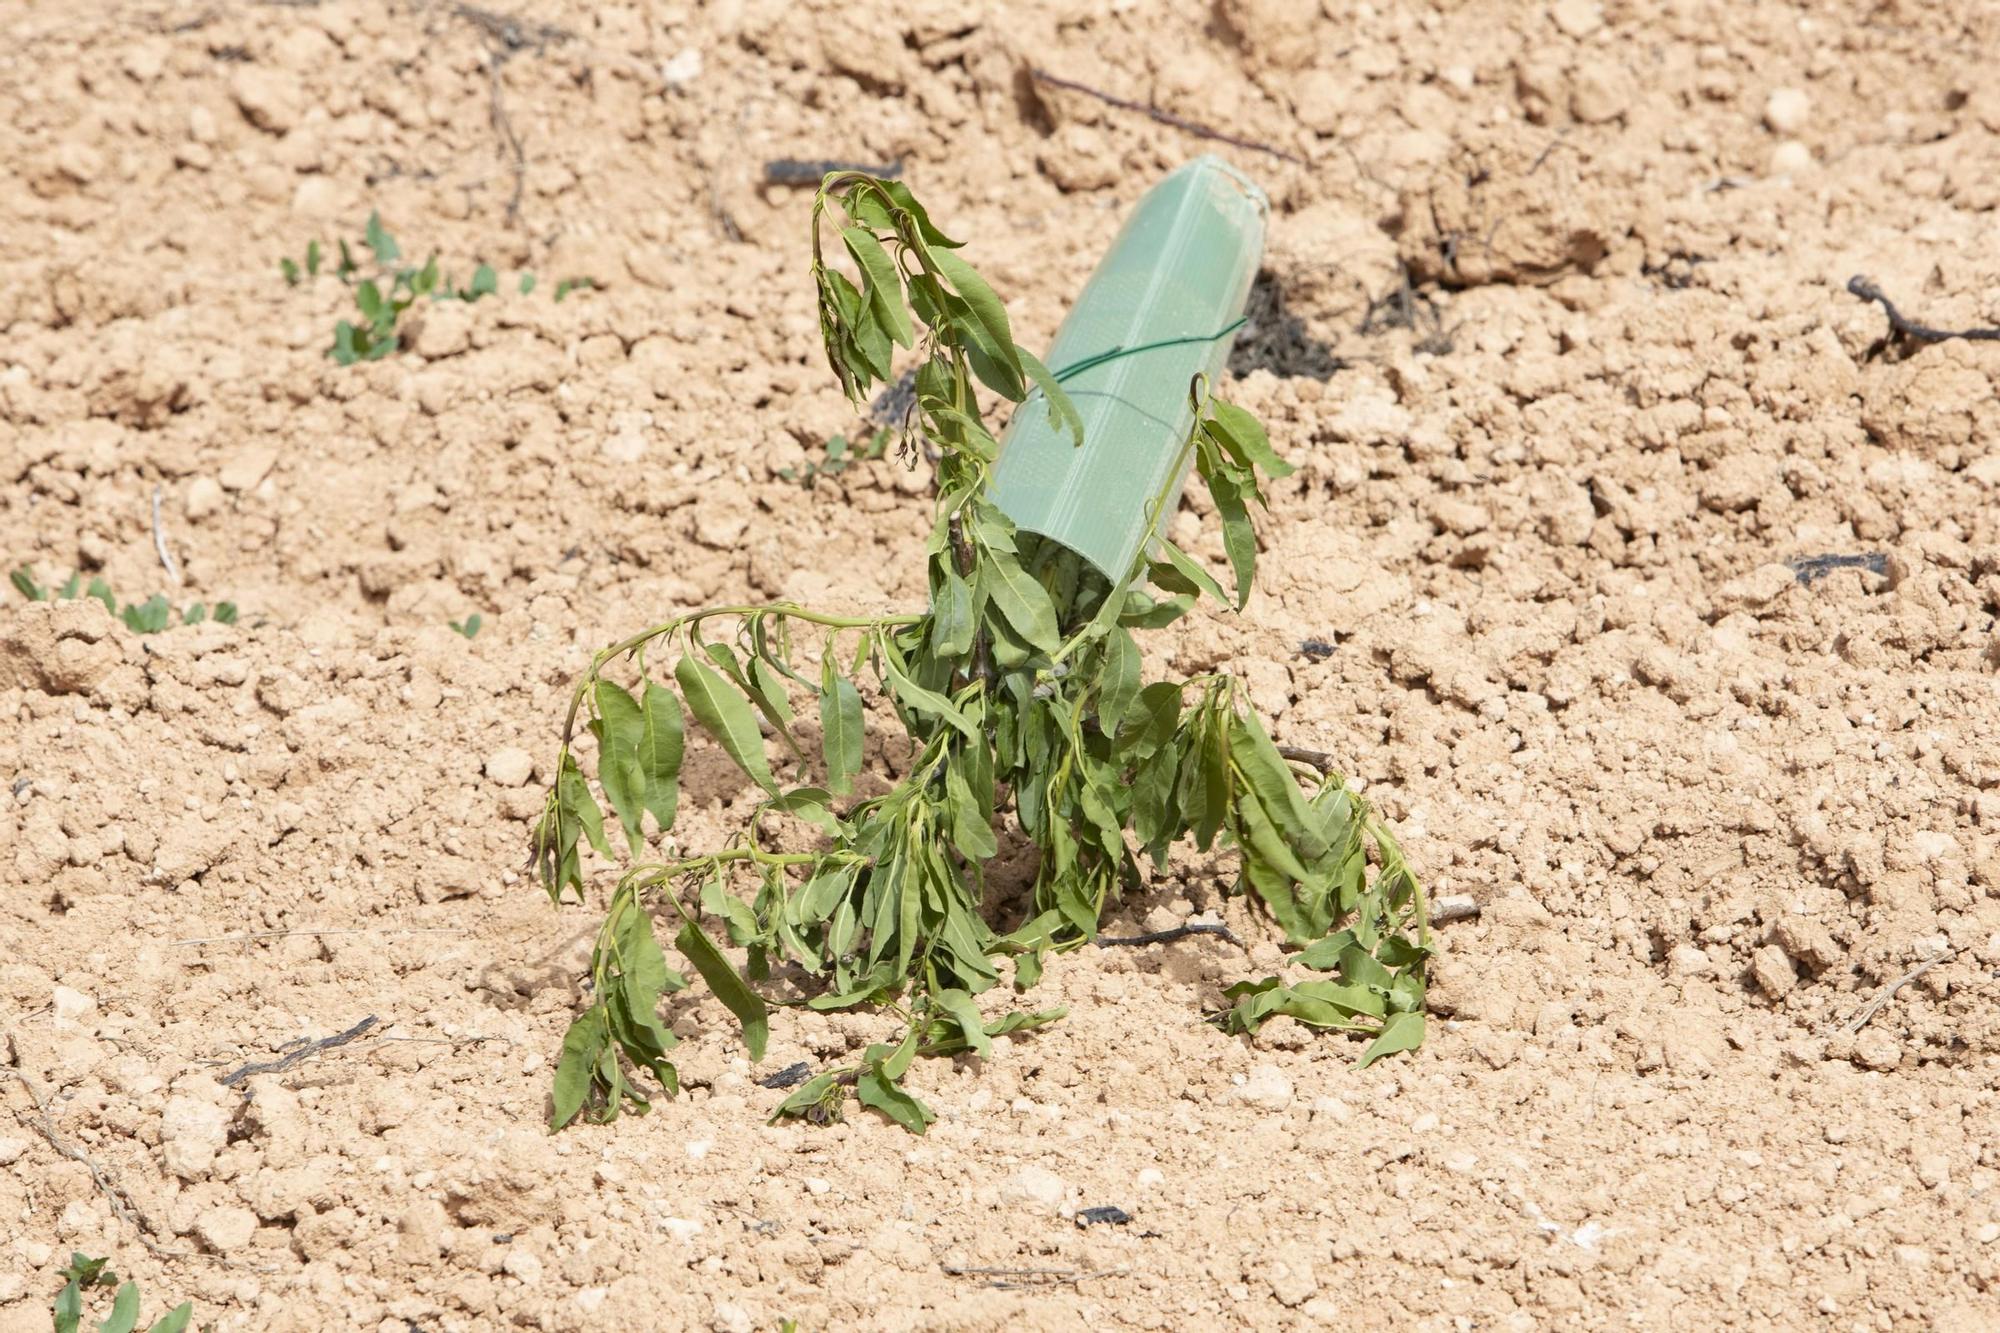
192, 1131
70, 1006
1876, 1049
510, 766
11, 1150
226, 1229
1807, 940
1771, 968
524, 1265
1787, 110
204, 497
1035, 1186
732, 1318
1791, 158
1267, 1088
269, 99
1576, 18
247, 469
1291, 1276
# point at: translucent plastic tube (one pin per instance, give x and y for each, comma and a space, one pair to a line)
1160, 309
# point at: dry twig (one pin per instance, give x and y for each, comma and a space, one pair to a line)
1195, 128
1169, 935
114, 1193
160, 541
311, 1048
1020, 1279
1888, 992
1909, 328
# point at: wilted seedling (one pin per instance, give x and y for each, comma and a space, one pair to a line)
386, 297
148, 617
83, 1274
839, 457
1021, 694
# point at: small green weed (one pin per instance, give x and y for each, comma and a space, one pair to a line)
148, 617
84, 1273
469, 626
840, 455
385, 295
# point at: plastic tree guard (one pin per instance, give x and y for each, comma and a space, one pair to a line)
1159, 310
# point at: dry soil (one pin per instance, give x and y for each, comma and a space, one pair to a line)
1710, 810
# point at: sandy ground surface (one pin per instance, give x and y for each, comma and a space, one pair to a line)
1709, 810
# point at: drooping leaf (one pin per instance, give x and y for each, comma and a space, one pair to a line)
588, 1036
959, 1008
1243, 435
840, 724
885, 283
1191, 576
1239, 539
725, 715
985, 306
1021, 599
1403, 1032
1119, 688
928, 702
1061, 409
730, 988
874, 1090
662, 743
620, 729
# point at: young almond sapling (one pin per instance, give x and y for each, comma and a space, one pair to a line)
1021, 693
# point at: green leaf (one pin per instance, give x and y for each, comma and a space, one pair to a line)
1061, 409
1243, 436
727, 717
368, 298
124, 1315
344, 352
817, 1100
588, 1036
618, 728
840, 725
69, 1308
291, 272
985, 306
971, 823
875, 1090
225, 614
1192, 577
661, 745
1119, 687
908, 203
485, 282
527, 283
885, 283
1403, 1032
175, 1320
574, 795
958, 1007
195, 614
1277, 791
730, 988
928, 701
1239, 539
1021, 599
312, 258
380, 241
24, 583
951, 617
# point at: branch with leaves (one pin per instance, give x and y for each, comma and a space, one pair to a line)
1020, 697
